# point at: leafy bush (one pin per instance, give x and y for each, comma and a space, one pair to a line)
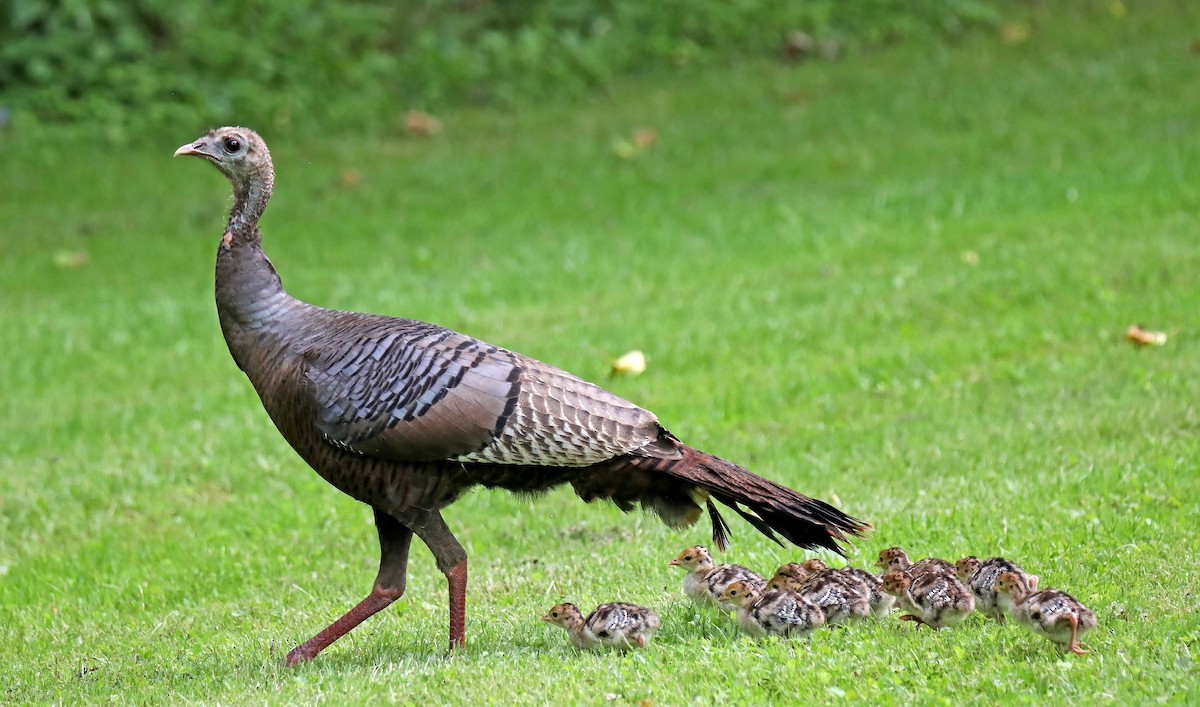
144, 61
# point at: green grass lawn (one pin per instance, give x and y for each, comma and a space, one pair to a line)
900, 282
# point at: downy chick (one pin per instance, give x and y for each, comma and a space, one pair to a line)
614, 625
893, 558
934, 599
705, 581
1056, 615
776, 612
980, 577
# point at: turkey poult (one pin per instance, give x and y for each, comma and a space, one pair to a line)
894, 558
934, 599
839, 600
839, 596
789, 576
980, 577
705, 582
880, 601
406, 416
616, 625
1056, 615
776, 612
794, 574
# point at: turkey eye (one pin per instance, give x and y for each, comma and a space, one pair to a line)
232, 144
688, 558
555, 614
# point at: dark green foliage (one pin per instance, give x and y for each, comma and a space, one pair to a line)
148, 59
282, 61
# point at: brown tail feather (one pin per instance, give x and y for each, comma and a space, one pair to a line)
768, 506
664, 477
720, 528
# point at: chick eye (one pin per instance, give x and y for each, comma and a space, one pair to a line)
232, 144
687, 558
555, 614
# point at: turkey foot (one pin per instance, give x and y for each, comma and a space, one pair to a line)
378, 600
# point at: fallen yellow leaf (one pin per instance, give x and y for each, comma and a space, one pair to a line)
421, 124
70, 258
630, 364
1142, 337
1014, 32
645, 137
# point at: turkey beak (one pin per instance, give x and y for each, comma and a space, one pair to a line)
192, 148
674, 563
546, 617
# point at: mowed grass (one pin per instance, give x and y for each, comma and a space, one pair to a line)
900, 282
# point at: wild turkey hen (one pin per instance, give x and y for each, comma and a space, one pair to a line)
405, 416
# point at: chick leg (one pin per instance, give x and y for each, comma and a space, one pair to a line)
1074, 646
